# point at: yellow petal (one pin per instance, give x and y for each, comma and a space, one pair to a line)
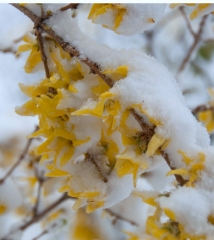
3, 209
63, 189
119, 18
180, 171
33, 60
45, 146
101, 11
28, 38
64, 134
28, 109
25, 47
57, 173
80, 142
169, 213
185, 159
67, 156
71, 88
205, 116
154, 144
94, 9
91, 207
79, 204
198, 10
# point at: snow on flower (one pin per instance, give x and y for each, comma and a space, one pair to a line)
126, 19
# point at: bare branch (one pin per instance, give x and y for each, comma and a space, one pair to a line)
21, 157
42, 50
91, 159
195, 43
179, 178
45, 231
70, 6
187, 21
119, 217
39, 216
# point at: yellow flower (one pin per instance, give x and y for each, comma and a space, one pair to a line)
118, 11
35, 55
192, 170
207, 117
3, 208
129, 163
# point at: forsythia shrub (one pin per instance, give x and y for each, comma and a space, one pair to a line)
109, 116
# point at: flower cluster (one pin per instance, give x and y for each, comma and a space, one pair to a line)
90, 138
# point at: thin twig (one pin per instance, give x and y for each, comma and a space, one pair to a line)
92, 65
119, 217
179, 178
37, 217
42, 50
9, 50
195, 43
187, 21
21, 157
70, 6
41, 180
91, 159
45, 231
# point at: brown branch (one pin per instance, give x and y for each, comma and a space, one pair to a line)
41, 180
45, 231
9, 50
39, 216
179, 178
91, 159
119, 217
42, 50
187, 21
21, 157
92, 65
70, 6
202, 108
195, 43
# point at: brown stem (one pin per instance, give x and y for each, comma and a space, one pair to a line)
45, 211
92, 65
45, 231
202, 108
42, 50
40, 183
187, 21
119, 217
37, 217
195, 43
179, 178
70, 6
9, 50
21, 157
91, 159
